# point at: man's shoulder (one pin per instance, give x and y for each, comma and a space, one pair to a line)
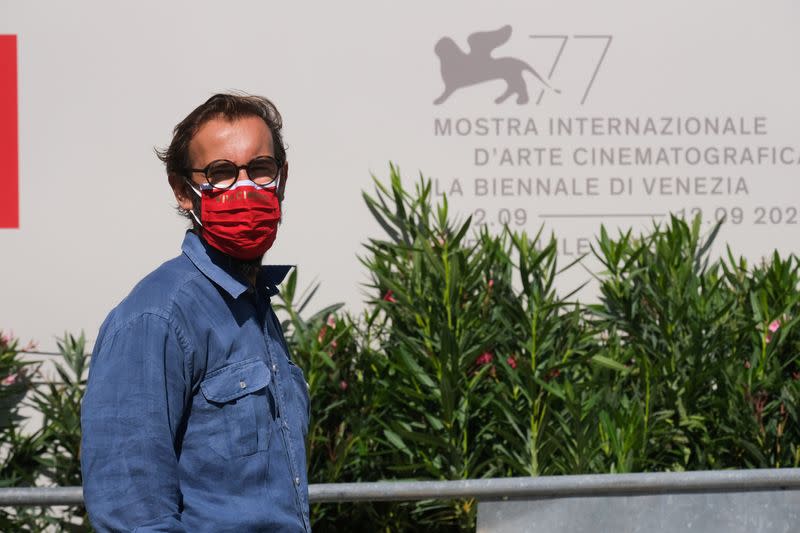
157, 294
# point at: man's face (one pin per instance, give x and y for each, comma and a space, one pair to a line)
238, 141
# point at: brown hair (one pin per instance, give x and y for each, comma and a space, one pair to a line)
228, 106
231, 107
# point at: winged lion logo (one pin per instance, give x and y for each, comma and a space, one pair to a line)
464, 69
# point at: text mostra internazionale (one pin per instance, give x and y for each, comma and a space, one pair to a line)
601, 126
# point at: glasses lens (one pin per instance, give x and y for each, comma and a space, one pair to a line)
222, 174
262, 170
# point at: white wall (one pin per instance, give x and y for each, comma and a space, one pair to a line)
102, 83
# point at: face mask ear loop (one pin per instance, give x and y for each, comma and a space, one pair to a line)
195, 205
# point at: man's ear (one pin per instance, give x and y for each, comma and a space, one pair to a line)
179, 189
284, 177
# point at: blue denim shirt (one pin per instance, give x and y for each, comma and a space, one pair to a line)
195, 418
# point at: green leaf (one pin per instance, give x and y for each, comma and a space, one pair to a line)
605, 362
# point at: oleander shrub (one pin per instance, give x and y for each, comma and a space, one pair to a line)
47, 454
484, 368
14, 384
711, 347
341, 382
470, 360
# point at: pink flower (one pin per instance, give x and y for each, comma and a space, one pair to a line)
484, 359
511, 361
32, 345
491, 283
322, 331
343, 385
552, 374
389, 296
772, 328
331, 321
9, 379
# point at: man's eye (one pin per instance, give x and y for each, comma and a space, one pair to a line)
263, 169
221, 172
262, 172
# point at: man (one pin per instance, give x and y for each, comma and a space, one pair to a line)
194, 417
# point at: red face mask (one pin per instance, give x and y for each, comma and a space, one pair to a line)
241, 221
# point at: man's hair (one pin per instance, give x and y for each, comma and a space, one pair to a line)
230, 107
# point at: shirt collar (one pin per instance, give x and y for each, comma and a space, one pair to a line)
218, 267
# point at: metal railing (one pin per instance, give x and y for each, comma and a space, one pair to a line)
493, 489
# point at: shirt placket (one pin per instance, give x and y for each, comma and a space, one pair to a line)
280, 368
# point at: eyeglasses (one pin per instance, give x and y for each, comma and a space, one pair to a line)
222, 174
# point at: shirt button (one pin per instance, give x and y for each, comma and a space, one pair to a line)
297, 481
274, 367
242, 384
285, 425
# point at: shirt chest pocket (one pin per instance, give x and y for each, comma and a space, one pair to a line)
236, 408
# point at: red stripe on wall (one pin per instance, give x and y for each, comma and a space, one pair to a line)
9, 141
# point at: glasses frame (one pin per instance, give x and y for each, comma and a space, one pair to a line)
246, 167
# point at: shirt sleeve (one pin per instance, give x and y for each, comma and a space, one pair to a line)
130, 420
